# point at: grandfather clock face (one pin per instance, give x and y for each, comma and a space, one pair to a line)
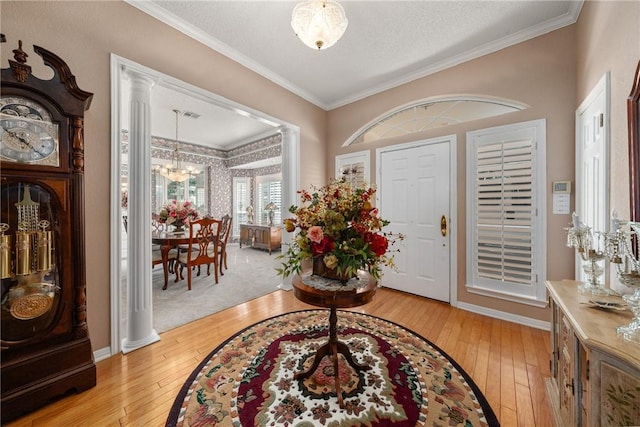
27, 133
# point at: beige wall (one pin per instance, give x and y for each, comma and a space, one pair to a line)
84, 34
608, 40
539, 73
552, 74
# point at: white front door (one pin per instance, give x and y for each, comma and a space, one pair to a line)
414, 194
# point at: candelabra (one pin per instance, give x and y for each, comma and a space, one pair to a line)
580, 237
622, 249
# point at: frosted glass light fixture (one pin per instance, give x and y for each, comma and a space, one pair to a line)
319, 23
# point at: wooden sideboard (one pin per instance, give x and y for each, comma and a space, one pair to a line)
261, 236
595, 374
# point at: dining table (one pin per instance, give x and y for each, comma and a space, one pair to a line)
167, 241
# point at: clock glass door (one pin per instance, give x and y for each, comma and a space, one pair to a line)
29, 233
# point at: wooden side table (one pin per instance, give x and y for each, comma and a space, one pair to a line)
334, 297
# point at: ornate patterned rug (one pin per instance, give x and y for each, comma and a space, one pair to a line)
249, 379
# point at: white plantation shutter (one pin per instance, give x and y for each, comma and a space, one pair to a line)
504, 212
505, 232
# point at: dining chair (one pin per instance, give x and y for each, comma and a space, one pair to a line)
156, 254
156, 227
224, 237
156, 258
204, 241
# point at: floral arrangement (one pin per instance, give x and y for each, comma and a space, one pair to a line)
177, 213
338, 225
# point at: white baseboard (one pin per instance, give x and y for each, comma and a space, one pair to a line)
509, 317
103, 353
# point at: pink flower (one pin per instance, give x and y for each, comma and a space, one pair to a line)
315, 233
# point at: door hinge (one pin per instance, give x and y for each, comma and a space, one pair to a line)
587, 369
601, 119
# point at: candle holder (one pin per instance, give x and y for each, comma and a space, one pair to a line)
619, 247
580, 237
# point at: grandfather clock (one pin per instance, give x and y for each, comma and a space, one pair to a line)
45, 347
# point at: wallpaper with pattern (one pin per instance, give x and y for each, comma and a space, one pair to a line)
218, 165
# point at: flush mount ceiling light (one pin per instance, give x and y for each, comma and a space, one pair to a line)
319, 23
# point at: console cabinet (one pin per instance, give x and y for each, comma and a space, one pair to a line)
595, 374
261, 236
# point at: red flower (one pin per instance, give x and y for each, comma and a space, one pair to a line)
378, 243
325, 246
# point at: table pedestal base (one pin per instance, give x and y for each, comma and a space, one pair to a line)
333, 348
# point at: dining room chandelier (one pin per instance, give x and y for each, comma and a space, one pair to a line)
319, 23
175, 171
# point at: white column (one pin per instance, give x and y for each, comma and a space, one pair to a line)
140, 330
290, 184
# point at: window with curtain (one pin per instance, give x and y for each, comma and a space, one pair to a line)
268, 190
506, 233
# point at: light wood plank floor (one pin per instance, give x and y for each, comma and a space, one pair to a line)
507, 361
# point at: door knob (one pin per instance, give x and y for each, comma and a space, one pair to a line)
443, 225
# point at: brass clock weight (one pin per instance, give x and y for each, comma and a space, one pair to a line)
28, 263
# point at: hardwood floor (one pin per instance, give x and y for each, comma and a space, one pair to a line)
508, 362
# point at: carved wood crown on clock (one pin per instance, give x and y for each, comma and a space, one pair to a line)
46, 351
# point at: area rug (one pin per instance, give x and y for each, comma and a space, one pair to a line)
249, 379
251, 274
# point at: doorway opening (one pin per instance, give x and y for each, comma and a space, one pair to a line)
120, 69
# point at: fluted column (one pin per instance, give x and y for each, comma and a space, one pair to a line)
140, 330
290, 183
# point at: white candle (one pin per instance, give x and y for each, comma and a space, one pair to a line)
576, 220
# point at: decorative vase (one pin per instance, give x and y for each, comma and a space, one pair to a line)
178, 228
320, 269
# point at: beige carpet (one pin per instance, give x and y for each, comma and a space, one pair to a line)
251, 274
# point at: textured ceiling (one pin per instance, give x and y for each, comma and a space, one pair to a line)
387, 43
